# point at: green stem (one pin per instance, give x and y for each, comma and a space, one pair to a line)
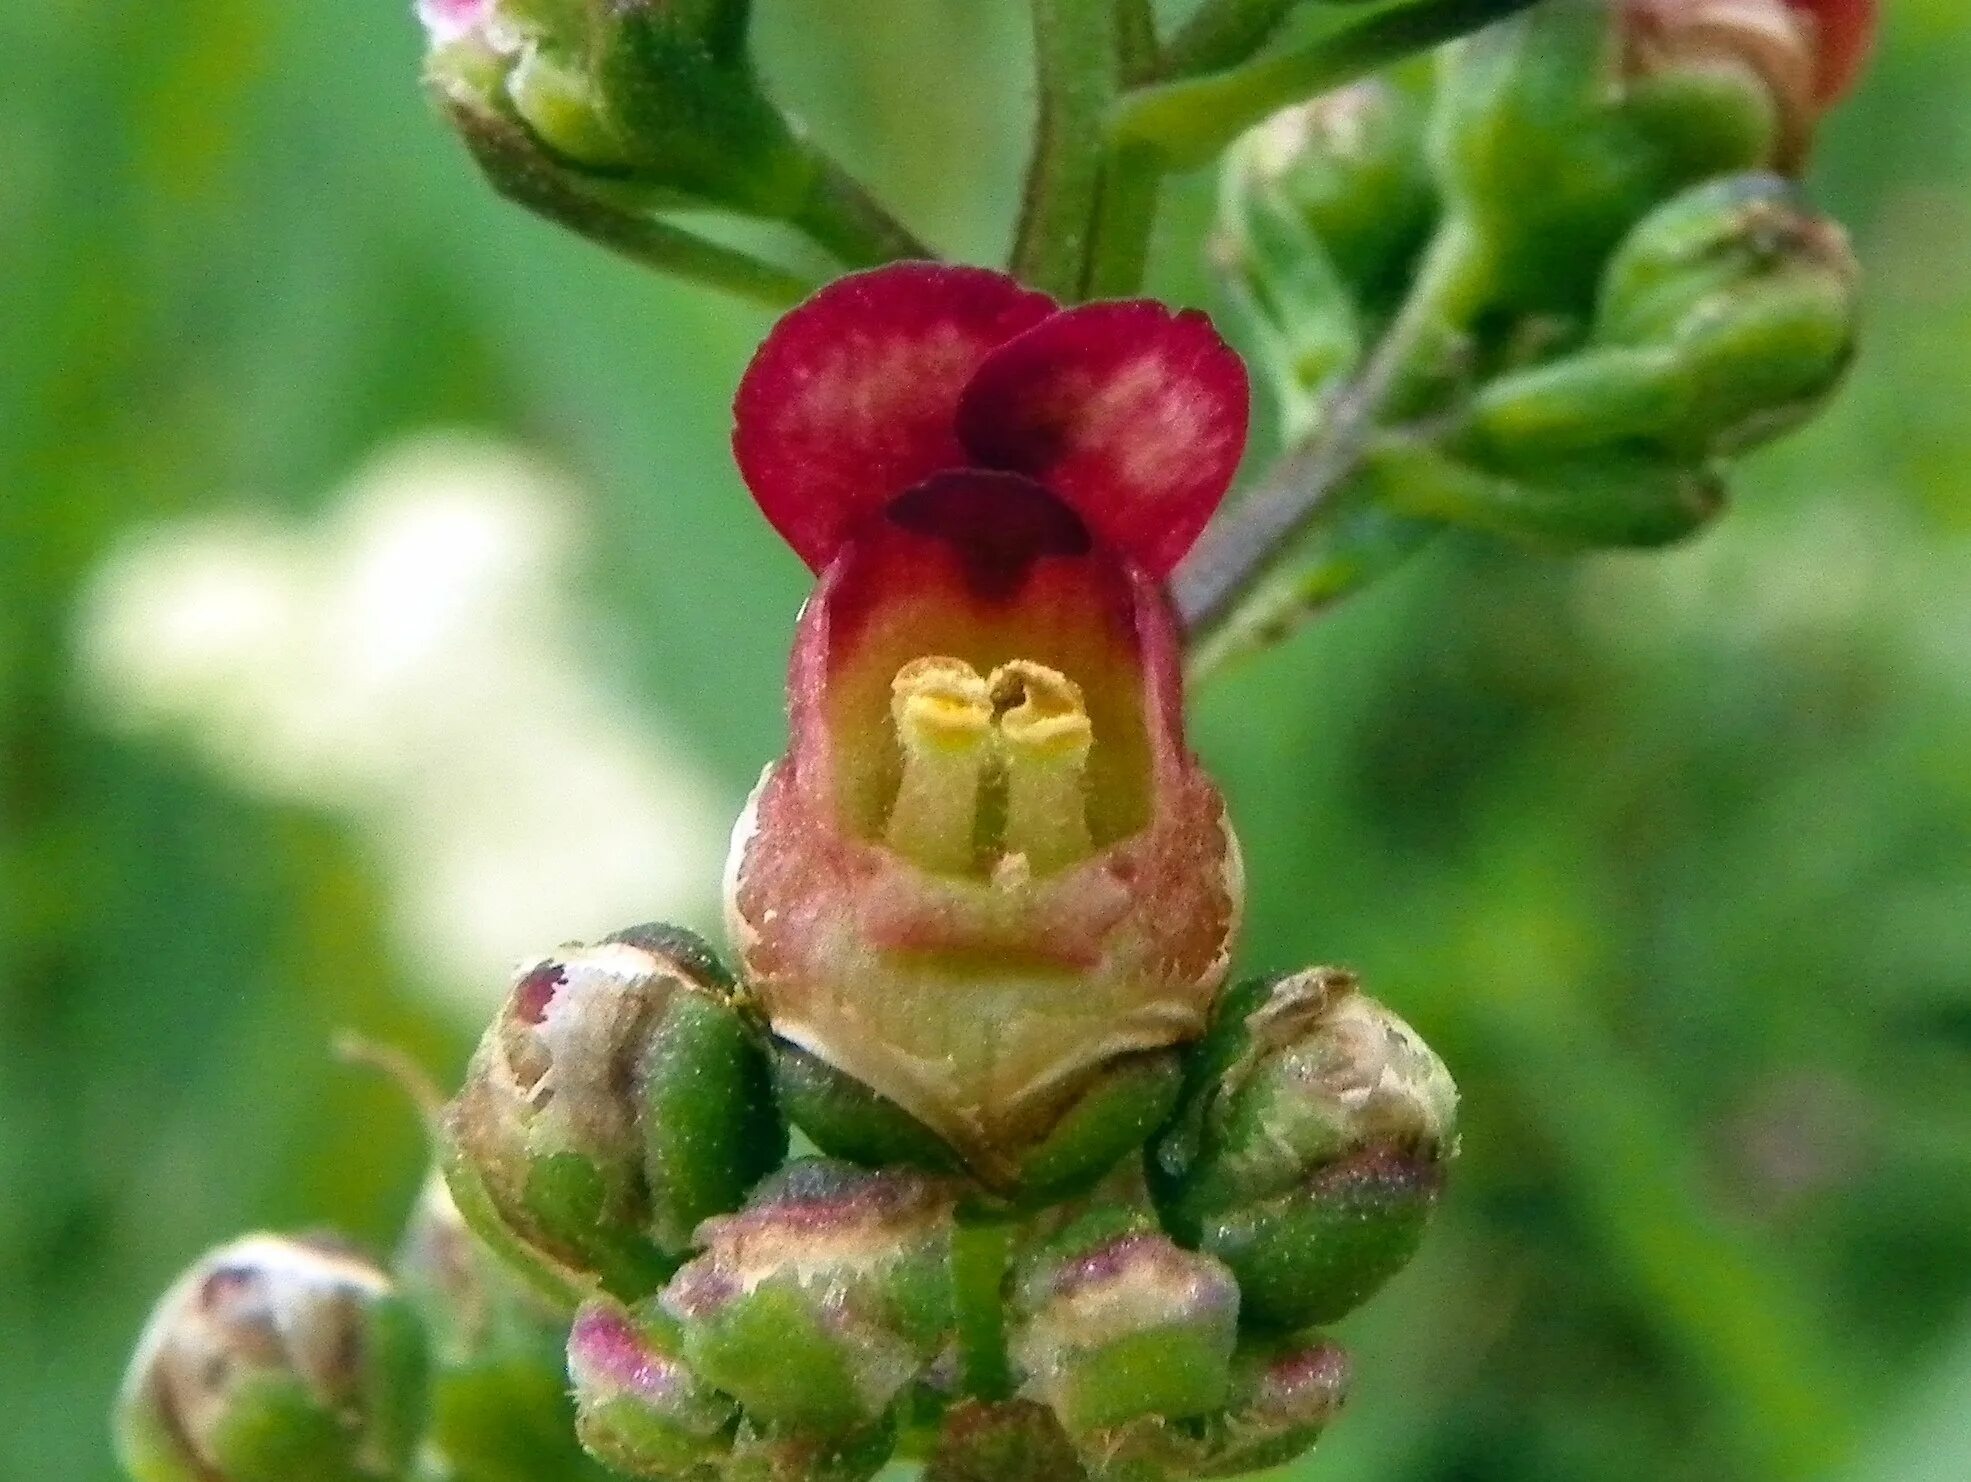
980, 1252
1222, 33
1125, 218
1078, 53
842, 216
1136, 28
521, 173
1242, 546
1191, 120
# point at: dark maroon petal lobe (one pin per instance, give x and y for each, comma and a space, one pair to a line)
1134, 414
854, 396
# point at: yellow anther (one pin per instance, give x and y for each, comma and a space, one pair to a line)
942, 711
1044, 740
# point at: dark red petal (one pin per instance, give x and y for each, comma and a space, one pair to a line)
854, 396
1846, 32
1133, 414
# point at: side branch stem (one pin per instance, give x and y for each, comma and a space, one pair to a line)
841, 215
1077, 49
1192, 119
517, 170
1222, 33
1240, 549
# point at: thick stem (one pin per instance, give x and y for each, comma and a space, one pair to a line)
1078, 53
1191, 120
1125, 220
1136, 33
842, 216
519, 171
1222, 33
980, 1252
1241, 549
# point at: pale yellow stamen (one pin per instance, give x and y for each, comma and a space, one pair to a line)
1044, 740
942, 711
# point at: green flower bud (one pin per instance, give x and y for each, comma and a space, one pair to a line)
1312, 1149
1558, 129
618, 1099
1283, 1397
640, 1409
274, 1360
499, 1406
1727, 317
1112, 1118
520, 64
1607, 497
1323, 210
1350, 167
658, 94
823, 1300
1113, 1323
680, 83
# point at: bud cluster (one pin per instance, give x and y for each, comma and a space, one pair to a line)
1574, 265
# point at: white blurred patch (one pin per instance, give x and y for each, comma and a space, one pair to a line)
419, 659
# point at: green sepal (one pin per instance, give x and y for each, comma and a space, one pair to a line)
819, 1304
771, 1349
274, 1430
682, 89
1115, 1116
1316, 1254
662, 1115
576, 1208
846, 1119
1310, 1150
711, 1125
1351, 169
1620, 498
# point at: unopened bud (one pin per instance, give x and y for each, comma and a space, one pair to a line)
640, 1410
1727, 317
1283, 1396
1114, 1323
519, 64
680, 84
1323, 210
273, 1359
1559, 129
1800, 56
820, 1302
657, 94
1753, 297
1312, 1152
1348, 166
618, 1099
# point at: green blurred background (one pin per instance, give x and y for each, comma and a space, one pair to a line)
1670, 856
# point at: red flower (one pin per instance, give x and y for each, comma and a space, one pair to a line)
988, 866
